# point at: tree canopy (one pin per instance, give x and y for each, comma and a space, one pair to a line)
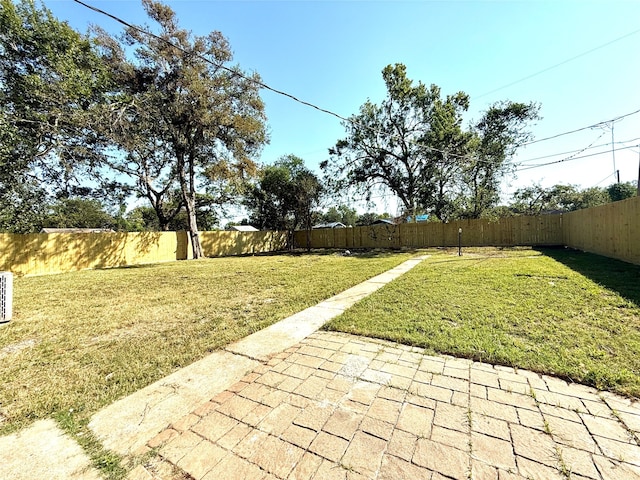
414, 144
88, 121
342, 213
622, 191
536, 200
51, 79
183, 119
285, 196
78, 213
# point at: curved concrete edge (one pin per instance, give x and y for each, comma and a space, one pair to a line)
126, 425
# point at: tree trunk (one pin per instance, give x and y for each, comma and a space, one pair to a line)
189, 197
193, 228
195, 242
156, 202
308, 231
163, 222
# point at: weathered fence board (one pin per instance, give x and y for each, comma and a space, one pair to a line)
42, 253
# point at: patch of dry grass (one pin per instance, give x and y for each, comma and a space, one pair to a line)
79, 341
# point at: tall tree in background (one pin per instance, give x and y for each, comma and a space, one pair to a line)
78, 213
414, 145
182, 120
443, 157
621, 191
285, 196
536, 200
342, 213
496, 138
51, 79
385, 144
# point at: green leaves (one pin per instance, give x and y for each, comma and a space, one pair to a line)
184, 122
285, 195
51, 80
413, 144
620, 191
535, 200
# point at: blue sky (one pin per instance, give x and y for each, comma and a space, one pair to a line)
331, 53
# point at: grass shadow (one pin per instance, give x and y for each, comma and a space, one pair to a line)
358, 253
616, 275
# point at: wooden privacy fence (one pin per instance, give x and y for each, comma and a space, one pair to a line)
612, 230
41, 253
542, 230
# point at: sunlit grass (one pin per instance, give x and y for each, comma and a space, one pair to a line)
79, 341
556, 311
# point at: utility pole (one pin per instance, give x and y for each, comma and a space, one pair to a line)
638, 192
613, 151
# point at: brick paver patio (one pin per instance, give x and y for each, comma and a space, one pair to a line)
338, 406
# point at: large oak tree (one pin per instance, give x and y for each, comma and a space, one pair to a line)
284, 197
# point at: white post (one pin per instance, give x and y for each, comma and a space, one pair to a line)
6, 296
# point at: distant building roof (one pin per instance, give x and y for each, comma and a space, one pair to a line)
383, 221
330, 225
77, 230
244, 228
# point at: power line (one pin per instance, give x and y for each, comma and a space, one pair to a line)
230, 70
574, 158
580, 129
578, 152
605, 178
241, 75
623, 142
587, 148
311, 105
558, 64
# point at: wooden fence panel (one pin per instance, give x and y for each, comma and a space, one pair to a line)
42, 253
220, 244
543, 230
612, 230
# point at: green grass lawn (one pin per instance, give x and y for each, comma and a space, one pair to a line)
554, 311
79, 341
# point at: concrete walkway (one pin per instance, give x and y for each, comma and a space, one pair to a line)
337, 406
43, 451
127, 424
293, 403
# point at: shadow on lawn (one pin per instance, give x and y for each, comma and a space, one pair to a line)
621, 277
359, 253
